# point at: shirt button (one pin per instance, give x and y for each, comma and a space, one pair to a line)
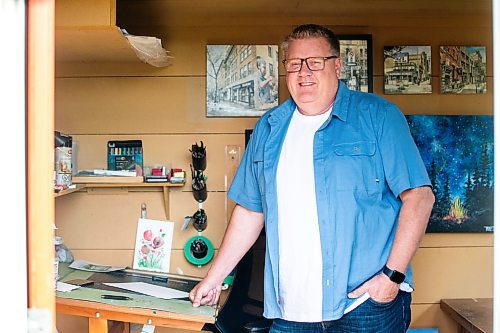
356, 148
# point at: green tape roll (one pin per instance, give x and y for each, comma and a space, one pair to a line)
201, 261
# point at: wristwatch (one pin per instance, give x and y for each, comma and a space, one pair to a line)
393, 275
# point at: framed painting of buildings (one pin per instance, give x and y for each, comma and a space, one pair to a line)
407, 70
458, 154
463, 69
242, 80
356, 54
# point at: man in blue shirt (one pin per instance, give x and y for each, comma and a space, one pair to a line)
335, 177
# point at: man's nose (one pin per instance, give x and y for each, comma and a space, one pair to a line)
304, 69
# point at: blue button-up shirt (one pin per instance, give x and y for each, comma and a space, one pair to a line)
364, 157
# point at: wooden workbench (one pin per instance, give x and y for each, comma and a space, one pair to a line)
100, 313
143, 309
473, 315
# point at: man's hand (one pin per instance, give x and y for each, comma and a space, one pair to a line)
243, 229
380, 288
205, 293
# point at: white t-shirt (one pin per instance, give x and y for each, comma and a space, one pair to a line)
300, 258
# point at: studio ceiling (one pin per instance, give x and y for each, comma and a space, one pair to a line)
276, 12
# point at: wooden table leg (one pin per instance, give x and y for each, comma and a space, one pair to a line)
116, 327
98, 325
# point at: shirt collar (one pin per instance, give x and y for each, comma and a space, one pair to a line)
340, 106
341, 103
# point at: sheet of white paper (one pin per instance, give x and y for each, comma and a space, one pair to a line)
148, 329
64, 287
150, 289
91, 267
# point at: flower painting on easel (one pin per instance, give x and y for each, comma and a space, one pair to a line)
153, 245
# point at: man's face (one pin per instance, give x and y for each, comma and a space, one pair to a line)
313, 91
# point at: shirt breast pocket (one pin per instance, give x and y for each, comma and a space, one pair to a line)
355, 165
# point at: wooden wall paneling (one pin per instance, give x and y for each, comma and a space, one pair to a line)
430, 315
90, 44
125, 257
177, 105
138, 105
459, 272
118, 257
71, 13
109, 221
188, 46
440, 104
457, 240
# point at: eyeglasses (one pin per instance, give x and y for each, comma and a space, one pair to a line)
313, 63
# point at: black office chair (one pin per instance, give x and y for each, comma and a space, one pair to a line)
241, 312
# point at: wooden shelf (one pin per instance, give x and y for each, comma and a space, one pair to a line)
93, 44
88, 33
69, 190
108, 185
164, 186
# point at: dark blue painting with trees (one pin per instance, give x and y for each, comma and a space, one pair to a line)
458, 154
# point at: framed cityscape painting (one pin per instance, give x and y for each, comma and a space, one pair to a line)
242, 80
356, 54
407, 70
458, 154
463, 69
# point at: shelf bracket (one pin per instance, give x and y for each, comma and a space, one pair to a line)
166, 202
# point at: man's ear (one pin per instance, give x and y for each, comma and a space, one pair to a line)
338, 66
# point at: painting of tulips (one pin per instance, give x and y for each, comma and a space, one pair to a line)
153, 245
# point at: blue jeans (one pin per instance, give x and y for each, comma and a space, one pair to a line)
369, 317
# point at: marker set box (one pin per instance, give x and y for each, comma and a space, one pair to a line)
125, 155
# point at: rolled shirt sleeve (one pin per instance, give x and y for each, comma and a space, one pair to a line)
244, 189
403, 165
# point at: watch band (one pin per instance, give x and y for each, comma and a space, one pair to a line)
393, 275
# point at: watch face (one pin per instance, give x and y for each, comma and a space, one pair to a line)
394, 276
397, 277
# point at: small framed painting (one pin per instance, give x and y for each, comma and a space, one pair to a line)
407, 70
356, 54
463, 69
242, 80
153, 245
